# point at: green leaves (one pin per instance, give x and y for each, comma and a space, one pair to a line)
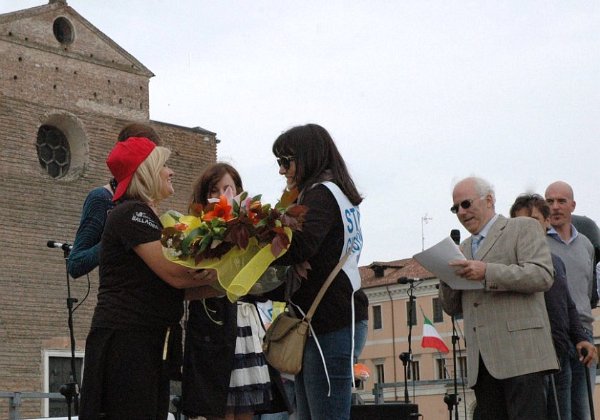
211, 231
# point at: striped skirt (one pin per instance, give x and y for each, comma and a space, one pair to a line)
250, 383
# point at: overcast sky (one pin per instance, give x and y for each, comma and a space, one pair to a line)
416, 94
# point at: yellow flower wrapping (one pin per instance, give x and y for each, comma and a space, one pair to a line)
238, 270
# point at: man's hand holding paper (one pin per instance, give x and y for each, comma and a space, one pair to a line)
469, 269
449, 264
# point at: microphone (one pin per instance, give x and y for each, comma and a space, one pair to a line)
407, 280
64, 246
455, 235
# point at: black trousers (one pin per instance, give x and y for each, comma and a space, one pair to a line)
125, 376
521, 397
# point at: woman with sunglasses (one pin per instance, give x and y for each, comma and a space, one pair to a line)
312, 165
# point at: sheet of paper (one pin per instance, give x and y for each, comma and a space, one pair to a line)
436, 258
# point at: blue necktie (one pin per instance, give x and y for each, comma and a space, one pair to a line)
475, 243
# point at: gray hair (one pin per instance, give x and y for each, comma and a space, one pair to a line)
482, 187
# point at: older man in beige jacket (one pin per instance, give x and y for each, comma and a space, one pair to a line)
507, 332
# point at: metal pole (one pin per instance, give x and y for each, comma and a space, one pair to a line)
424, 219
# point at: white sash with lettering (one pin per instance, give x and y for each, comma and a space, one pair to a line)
352, 238
352, 234
350, 215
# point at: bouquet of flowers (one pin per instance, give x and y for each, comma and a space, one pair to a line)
239, 236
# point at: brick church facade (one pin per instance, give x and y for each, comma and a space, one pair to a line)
66, 90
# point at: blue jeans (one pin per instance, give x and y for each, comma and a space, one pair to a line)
361, 328
580, 405
288, 386
312, 400
580, 408
571, 389
592, 369
562, 383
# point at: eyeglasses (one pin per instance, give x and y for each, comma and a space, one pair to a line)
285, 161
465, 204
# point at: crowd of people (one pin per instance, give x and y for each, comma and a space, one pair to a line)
135, 345
528, 329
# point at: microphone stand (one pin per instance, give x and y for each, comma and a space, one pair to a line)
407, 356
70, 390
452, 400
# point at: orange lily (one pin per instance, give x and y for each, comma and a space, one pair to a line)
222, 210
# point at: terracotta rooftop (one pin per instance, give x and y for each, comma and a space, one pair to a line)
381, 273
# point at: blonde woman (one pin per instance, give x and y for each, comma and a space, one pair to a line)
140, 296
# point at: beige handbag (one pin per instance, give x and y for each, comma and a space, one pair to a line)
284, 341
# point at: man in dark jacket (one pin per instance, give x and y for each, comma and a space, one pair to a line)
568, 335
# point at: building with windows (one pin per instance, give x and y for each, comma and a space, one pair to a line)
66, 90
401, 369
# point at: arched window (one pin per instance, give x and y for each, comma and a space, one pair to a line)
53, 151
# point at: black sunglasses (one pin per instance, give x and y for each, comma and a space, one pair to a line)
465, 204
285, 161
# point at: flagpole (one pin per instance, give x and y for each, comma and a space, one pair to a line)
424, 220
393, 341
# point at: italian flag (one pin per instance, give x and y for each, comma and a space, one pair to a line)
431, 338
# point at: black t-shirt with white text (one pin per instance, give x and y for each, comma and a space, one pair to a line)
130, 295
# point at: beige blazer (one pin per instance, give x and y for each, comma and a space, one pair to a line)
506, 323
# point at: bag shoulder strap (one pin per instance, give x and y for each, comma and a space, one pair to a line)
326, 285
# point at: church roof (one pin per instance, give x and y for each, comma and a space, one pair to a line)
23, 27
